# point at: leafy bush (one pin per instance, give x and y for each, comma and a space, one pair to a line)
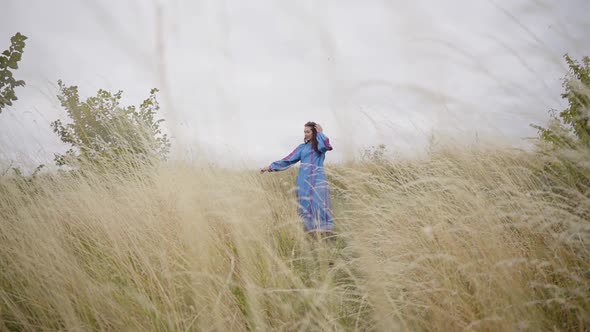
103, 133
565, 142
9, 60
569, 128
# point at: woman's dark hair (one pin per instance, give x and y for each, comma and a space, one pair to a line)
314, 133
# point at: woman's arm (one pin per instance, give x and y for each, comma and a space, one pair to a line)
323, 141
283, 164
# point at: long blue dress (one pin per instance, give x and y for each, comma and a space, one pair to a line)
313, 192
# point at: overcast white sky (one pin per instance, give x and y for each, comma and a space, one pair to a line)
240, 78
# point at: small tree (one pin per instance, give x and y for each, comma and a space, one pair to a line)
102, 132
9, 60
570, 127
568, 134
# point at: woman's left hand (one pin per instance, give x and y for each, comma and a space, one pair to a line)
318, 128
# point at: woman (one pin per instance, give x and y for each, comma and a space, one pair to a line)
313, 192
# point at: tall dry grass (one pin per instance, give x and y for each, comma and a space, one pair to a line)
468, 239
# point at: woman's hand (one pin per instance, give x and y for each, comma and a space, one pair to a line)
265, 169
318, 128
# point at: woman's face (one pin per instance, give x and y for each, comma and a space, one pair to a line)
307, 132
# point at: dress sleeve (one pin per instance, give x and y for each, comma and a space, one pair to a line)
323, 143
283, 164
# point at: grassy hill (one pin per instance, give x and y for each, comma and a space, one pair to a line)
469, 238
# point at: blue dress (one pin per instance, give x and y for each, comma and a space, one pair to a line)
313, 192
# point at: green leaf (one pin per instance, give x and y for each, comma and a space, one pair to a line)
16, 56
14, 59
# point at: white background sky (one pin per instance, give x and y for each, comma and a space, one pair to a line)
238, 79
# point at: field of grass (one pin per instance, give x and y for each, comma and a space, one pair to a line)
467, 239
